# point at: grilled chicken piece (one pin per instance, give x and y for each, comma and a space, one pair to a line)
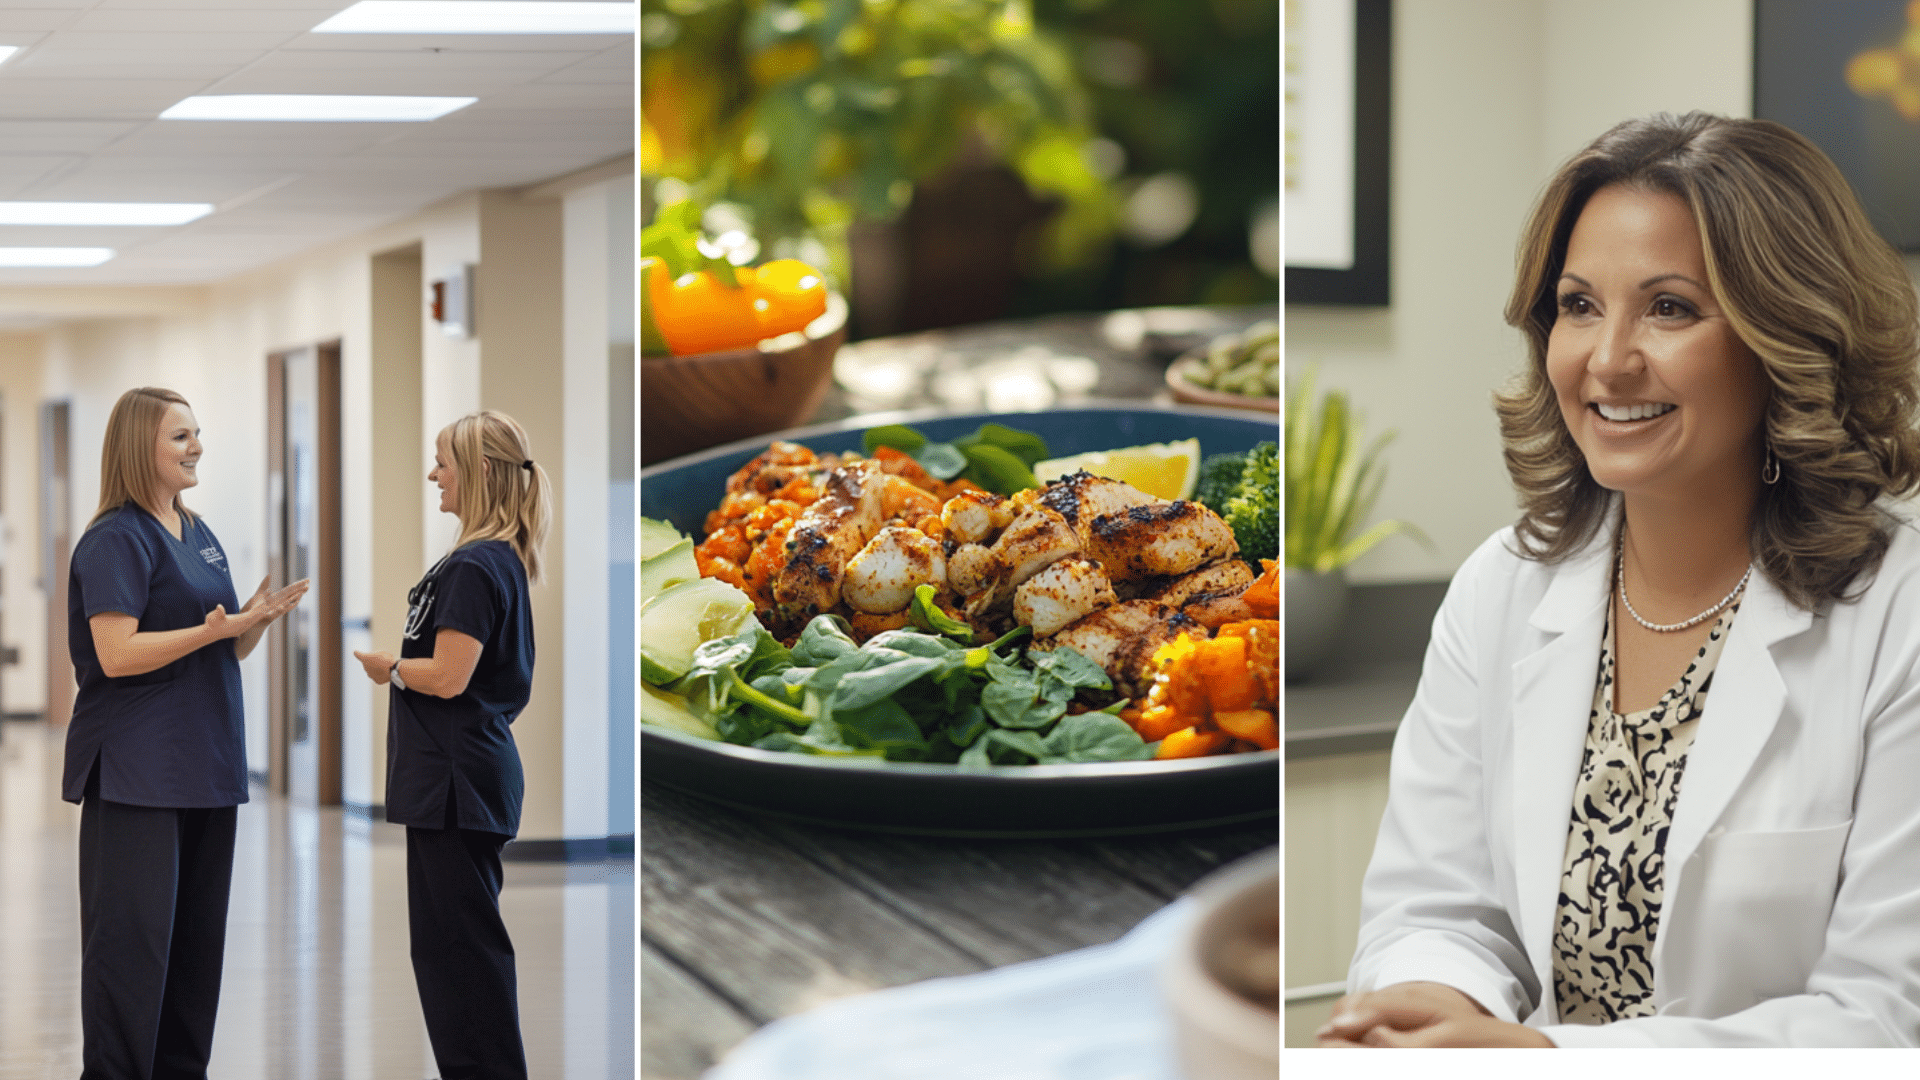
1061, 593
1229, 576
1082, 497
972, 516
1214, 610
827, 535
1122, 638
1036, 539
972, 568
881, 578
782, 462
1165, 539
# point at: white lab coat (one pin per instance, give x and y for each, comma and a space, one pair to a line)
1792, 909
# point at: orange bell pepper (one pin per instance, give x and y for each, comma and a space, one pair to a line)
1160, 721
1263, 596
1257, 726
1220, 665
1191, 742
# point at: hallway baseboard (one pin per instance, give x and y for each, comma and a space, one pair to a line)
586, 849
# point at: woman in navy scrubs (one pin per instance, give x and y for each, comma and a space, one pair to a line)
465, 670
156, 750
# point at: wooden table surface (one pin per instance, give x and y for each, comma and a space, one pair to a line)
745, 919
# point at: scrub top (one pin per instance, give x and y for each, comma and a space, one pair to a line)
463, 742
175, 736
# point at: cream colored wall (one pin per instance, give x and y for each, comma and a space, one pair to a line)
1489, 96
23, 603
1333, 813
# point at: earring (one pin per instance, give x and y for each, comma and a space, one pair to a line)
1770, 470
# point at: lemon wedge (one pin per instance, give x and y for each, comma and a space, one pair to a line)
1163, 470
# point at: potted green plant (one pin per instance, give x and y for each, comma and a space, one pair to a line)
1331, 485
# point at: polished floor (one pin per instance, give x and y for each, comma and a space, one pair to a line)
317, 983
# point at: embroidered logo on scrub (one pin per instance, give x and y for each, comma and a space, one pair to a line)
213, 557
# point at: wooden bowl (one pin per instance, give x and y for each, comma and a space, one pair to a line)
1200, 395
689, 403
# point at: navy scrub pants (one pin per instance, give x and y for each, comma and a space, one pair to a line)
462, 958
153, 929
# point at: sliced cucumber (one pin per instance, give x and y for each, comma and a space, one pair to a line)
656, 537
663, 709
681, 618
672, 565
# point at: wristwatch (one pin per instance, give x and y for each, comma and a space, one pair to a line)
393, 676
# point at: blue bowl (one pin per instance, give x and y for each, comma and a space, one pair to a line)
1095, 799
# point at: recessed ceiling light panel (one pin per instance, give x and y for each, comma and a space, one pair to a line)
479, 17
68, 256
101, 213
7, 51
335, 108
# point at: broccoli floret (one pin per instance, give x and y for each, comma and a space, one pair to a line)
1253, 508
1219, 474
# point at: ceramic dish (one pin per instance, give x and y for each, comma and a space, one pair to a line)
1004, 800
1194, 394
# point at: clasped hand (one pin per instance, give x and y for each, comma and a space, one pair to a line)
1420, 1014
379, 665
261, 608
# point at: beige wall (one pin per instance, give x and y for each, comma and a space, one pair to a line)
211, 343
23, 604
1489, 96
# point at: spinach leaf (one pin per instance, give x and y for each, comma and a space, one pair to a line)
1021, 704
997, 470
826, 638
1071, 666
1095, 736
898, 436
879, 680
1025, 445
942, 460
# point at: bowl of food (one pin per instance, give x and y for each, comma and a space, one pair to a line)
734, 358
1234, 371
1222, 981
966, 662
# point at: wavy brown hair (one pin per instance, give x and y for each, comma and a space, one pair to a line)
1804, 281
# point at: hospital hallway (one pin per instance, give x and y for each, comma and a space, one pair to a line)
317, 983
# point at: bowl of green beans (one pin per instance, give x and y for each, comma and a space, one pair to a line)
1240, 371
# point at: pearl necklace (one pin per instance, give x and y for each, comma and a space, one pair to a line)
1620, 579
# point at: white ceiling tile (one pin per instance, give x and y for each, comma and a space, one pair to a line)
62, 136
470, 83
19, 172
328, 7
451, 42
54, 99
349, 64
184, 18
155, 42
15, 20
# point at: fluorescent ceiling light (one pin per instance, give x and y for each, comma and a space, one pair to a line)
101, 213
26, 256
314, 107
7, 51
479, 17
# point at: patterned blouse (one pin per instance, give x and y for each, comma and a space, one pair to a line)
1613, 881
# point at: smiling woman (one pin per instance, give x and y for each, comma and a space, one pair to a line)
1718, 411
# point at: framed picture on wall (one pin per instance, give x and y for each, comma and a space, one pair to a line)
1847, 76
1335, 155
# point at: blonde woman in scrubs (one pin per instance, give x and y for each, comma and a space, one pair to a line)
464, 672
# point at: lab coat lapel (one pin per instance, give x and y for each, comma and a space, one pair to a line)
1552, 697
1744, 703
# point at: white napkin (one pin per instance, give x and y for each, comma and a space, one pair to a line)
1090, 1014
